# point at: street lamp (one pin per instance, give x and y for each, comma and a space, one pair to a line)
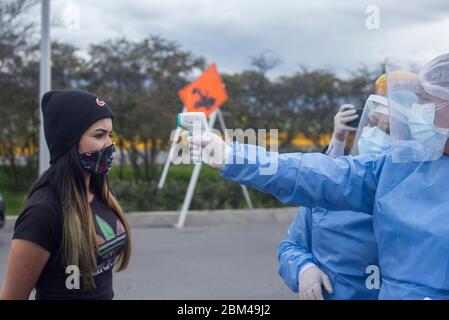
44, 81
70, 21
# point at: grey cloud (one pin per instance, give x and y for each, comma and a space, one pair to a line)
314, 33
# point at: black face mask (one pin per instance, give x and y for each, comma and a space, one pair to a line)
98, 162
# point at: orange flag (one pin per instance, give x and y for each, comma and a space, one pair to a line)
205, 94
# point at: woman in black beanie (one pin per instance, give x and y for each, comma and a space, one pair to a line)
72, 231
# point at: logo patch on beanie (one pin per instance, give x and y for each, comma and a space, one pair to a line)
100, 102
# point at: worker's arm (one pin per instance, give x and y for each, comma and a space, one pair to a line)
295, 252
307, 179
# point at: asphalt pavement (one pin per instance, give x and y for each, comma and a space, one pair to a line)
236, 261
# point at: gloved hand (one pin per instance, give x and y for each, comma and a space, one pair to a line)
209, 148
345, 114
310, 284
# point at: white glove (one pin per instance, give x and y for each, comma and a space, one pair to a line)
345, 114
310, 284
209, 148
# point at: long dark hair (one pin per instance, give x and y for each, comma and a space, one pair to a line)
67, 180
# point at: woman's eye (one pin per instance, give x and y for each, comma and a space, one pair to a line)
103, 135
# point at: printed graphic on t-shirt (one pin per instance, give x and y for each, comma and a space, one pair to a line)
109, 240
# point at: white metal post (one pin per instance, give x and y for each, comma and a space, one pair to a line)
192, 183
169, 157
44, 81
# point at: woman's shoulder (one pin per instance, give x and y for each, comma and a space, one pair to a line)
44, 198
41, 220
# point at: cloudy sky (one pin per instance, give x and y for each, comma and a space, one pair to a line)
313, 33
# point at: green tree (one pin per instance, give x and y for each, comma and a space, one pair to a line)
18, 112
141, 80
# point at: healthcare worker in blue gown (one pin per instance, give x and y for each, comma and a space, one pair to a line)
330, 250
406, 189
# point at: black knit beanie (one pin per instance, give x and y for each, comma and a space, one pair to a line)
67, 115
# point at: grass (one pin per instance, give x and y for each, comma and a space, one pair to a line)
13, 198
14, 201
175, 172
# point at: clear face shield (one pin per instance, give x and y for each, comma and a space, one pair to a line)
419, 112
372, 135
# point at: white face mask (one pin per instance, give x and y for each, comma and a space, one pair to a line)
422, 127
373, 140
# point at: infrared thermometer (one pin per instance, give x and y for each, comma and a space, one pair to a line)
193, 122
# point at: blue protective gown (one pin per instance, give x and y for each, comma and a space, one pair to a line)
341, 245
409, 203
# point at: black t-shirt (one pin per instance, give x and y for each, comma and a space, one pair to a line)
41, 222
